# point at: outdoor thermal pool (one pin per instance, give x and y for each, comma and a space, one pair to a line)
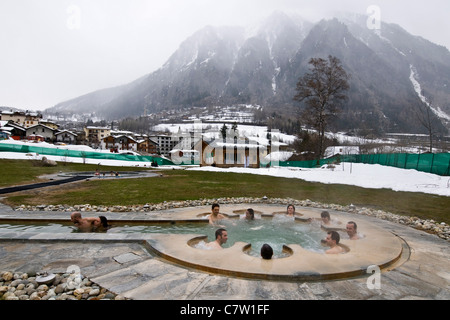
177, 236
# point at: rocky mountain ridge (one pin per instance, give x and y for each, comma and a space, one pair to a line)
392, 74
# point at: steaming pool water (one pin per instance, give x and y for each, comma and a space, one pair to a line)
276, 232
179, 235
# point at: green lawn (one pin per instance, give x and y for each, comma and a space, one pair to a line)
18, 172
189, 185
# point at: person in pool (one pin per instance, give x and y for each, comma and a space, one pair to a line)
84, 224
101, 224
266, 252
332, 241
325, 219
290, 210
88, 224
215, 216
249, 214
352, 230
221, 238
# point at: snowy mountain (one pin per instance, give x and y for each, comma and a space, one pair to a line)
392, 72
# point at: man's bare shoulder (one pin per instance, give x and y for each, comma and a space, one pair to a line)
213, 245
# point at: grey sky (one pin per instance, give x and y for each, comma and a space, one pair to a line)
55, 50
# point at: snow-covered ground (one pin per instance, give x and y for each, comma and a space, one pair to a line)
213, 130
357, 174
35, 156
417, 87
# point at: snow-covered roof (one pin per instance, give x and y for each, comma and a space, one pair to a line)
6, 129
97, 128
40, 125
343, 150
66, 131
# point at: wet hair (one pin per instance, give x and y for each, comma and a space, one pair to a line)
215, 205
104, 221
335, 236
291, 205
252, 212
325, 214
354, 224
219, 232
266, 252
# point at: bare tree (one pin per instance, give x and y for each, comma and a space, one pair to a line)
427, 119
322, 91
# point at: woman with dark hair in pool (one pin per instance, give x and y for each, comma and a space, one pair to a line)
250, 214
290, 210
102, 224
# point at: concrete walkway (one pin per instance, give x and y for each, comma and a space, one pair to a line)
124, 264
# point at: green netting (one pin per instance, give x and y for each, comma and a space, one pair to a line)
438, 163
63, 153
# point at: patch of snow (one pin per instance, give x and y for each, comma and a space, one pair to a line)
371, 176
436, 110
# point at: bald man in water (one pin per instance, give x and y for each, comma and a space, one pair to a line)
85, 224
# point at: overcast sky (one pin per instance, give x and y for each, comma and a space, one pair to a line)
55, 50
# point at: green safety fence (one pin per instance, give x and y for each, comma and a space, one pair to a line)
437, 163
63, 153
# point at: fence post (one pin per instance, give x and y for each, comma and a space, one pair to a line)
448, 169
432, 162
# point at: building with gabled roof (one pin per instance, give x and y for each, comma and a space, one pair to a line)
25, 119
119, 143
47, 133
66, 136
16, 131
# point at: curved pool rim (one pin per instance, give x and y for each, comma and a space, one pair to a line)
379, 247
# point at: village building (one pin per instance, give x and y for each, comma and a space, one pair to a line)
66, 136
236, 152
5, 131
49, 124
165, 144
147, 145
16, 131
24, 119
340, 150
40, 132
119, 143
95, 135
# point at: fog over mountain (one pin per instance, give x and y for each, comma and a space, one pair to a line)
392, 72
